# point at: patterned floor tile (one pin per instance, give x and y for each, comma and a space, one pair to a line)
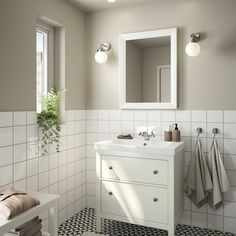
85, 221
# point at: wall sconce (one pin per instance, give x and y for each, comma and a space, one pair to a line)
193, 48
101, 55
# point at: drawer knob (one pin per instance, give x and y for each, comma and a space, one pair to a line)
110, 167
110, 193
155, 172
155, 199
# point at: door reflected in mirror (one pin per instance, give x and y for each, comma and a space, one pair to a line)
148, 70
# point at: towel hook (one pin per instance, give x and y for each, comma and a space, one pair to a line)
215, 131
198, 130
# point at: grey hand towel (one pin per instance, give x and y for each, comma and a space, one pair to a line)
219, 177
30, 228
198, 183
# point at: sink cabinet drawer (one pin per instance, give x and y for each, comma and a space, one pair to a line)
135, 170
135, 201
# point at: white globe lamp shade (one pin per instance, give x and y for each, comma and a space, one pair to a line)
192, 49
101, 57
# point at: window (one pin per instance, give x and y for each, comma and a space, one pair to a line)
44, 61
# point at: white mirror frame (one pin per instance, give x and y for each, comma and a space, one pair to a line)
172, 32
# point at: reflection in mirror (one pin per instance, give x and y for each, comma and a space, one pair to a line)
148, 70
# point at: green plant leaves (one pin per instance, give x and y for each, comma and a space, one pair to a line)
49, 122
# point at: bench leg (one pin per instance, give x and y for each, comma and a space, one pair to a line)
53, 220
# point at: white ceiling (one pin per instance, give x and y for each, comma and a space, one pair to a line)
95, 5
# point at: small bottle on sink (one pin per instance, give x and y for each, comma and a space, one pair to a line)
176, 134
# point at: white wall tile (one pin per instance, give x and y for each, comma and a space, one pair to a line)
91, 189
103, 115
92, 115
70, 169
53, 176
115, 127
103, 126
70, 115
7, 175
19, 134
43, 180
32, 167
168, 116
32, 150
70, 127
20, 152
62, 187
31, 118
6, 119
198, 116
230, 116
184, 128
220, 130
229, 225
140, 115
230, 162
20, 185
230, 209
78, 115
32, 133
195, 125
19, 118
229, 146
53, 188
32, 183
127, 115
115, 114
229, 130
232, 177
230, 195
128, 127
154, 115
215, 116
184, 116
199, 220
20, 170
43, 164
6, 136
62, 171
185, 218
91, 126
6, 156
215, 222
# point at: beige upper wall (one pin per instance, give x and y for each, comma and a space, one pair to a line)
205, 82
17, 47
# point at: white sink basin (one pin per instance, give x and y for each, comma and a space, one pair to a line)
140, 146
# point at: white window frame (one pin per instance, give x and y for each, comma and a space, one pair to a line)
49, 30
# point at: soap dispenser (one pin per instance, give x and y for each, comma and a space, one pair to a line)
176, 134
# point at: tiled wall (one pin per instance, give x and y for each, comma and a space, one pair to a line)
67, 173
22, 165
106, 125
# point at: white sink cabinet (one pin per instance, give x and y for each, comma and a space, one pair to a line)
140, 182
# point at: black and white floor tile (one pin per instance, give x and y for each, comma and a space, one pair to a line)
85, 222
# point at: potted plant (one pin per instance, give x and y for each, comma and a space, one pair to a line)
49, 122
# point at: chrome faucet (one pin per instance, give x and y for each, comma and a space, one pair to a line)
146, 135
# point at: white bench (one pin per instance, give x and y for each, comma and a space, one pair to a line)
47, 202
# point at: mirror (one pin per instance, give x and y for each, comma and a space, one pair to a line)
148, 70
